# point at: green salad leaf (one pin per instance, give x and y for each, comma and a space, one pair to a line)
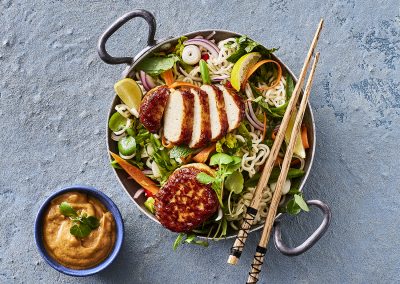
149, 204
234, 182
300, 201
242, 130
227, 165
205, 178
220, 159
180, 151
296, 204
180, 46
189, 239
155, 65
276, 111
247, 45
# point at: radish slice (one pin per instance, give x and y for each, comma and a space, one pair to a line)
210, 46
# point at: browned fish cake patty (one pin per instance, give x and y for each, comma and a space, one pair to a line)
184, 203
152, 108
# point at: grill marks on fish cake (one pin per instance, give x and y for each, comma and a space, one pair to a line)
234, 107
218, 117
178, 118
184, 203
152, 108
201, 131
192, 116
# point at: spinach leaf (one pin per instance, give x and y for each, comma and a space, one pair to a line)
156, 65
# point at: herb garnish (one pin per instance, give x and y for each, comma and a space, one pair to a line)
227, 165
190, 239
82, 224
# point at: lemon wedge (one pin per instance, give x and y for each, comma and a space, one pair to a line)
130, 94
298, 148
242, 67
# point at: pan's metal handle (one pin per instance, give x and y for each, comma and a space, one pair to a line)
101, 46
312, 239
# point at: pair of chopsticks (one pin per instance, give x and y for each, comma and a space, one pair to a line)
252, 210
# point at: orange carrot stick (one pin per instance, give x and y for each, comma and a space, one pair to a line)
168, 77
136, 174
304, 137
265, 127
255, 67
203, 155
182, 84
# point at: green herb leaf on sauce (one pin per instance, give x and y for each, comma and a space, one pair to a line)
82, 224
80, 231
91, 221
67, 210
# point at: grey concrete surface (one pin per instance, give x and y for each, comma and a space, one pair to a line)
55, 94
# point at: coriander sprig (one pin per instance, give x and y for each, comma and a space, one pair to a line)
82, 224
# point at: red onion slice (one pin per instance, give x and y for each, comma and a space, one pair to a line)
138, 193
255, 125
219, 78
147, 81
253, 115
210, 46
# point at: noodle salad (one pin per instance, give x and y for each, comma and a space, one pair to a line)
250, 89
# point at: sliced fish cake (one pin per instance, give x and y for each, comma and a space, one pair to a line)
234, 107
178, 117
218, 117
201, 132
152, 108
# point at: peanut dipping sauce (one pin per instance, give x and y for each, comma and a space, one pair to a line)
68, 250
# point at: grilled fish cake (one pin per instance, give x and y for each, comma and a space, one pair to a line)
218, 117
152, 108
178, 118
184, 203
201, 134
234, 107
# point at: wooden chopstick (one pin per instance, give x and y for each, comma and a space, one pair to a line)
262, 245
252, 210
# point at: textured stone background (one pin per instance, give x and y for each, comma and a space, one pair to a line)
55, 94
